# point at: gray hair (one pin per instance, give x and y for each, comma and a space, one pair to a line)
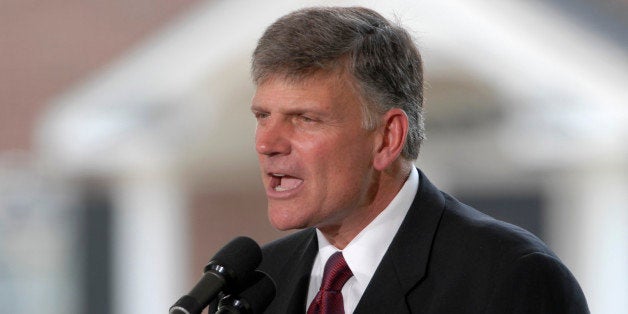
379, 55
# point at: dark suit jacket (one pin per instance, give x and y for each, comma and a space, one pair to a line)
446, 258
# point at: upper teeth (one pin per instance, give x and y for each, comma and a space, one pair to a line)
278, 174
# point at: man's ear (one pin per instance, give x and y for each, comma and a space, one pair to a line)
392, 133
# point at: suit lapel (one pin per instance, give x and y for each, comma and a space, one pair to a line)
406, 260
296, 277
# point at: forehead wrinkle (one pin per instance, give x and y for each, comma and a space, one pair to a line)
290, 104
335, 102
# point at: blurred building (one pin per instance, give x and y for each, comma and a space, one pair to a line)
127, 158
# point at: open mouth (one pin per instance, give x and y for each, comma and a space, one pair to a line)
281, 182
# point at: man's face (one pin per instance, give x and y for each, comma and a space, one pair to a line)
315, 157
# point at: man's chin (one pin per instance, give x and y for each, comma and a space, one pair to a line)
286, 225
284, 220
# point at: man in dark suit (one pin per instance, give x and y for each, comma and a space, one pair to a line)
339, 125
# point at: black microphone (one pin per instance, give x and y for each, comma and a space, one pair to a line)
257, 292
232, 263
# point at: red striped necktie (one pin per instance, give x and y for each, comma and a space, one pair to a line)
328, 300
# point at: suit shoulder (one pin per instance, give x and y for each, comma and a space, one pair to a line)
537, 283
463, 225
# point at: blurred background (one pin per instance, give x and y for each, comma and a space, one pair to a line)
126, 140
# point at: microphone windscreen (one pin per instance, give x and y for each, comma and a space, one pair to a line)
240, 256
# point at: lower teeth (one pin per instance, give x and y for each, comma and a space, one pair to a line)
279, 188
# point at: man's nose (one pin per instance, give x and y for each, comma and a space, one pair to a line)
272, 138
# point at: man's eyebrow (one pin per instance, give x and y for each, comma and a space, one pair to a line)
289, 111
255, 107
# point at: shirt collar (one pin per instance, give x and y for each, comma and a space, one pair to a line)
364, 253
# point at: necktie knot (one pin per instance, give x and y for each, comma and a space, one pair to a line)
336, 273
329, 297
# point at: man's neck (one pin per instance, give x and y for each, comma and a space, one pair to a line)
385, 187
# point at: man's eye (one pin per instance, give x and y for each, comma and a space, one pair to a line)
306, 119
260, 115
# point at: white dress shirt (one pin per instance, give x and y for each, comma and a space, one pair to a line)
364, 253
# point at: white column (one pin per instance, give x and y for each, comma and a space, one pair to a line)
150, 245
588, 229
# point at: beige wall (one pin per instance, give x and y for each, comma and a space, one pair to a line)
48, 46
